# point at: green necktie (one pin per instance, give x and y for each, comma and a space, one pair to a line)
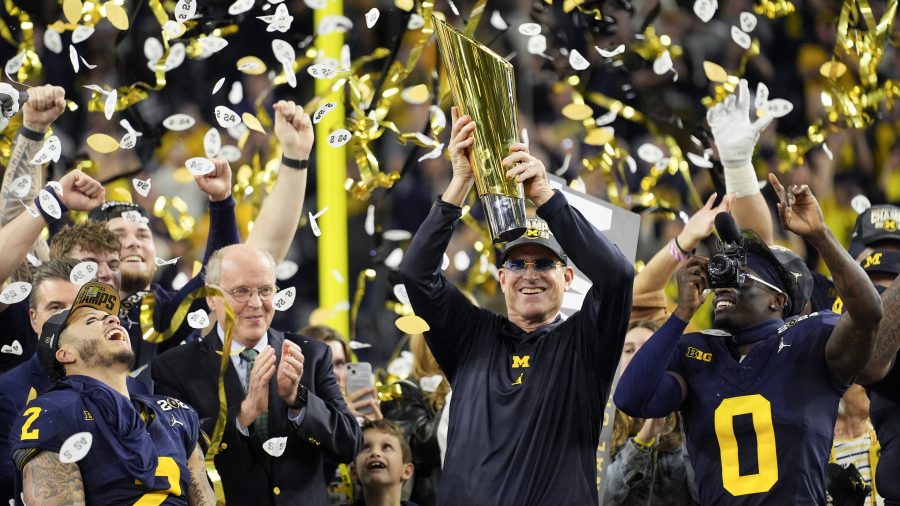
262, 423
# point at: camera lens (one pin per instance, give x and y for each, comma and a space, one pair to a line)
719, 266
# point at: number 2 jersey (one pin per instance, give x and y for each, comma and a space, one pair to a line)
140, 446
759, 430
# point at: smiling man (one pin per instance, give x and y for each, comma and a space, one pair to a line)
759, 393
141, 449
528, 388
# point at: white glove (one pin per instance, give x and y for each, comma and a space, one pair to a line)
736, 138
9, 104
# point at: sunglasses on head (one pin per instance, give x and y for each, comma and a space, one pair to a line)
746, 277
539, 265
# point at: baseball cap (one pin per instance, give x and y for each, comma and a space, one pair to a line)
119, 209
93, 294
795, 277
536, 232
877, 223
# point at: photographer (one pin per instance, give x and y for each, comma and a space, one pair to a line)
788, 377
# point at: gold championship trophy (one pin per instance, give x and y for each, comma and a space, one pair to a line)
483, 87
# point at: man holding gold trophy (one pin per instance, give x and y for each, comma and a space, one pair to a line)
528, 388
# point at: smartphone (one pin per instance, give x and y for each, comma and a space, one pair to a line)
359, 376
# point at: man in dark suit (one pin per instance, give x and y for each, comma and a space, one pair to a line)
276, 385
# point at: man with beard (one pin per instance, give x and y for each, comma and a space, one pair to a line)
52, 291
89, 440
759, 396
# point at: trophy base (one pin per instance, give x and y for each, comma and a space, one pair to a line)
505, 216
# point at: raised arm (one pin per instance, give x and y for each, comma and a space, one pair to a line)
736, 138
201, 492
887, 340
274, 228
80, 193
654, 276
48, 482
852, 340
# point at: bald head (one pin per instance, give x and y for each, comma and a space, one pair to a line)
236, 256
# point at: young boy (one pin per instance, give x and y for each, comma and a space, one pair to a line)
384, 464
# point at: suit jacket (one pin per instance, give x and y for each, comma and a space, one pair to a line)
249, 475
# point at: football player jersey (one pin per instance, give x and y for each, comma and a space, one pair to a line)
760, 429
173, 428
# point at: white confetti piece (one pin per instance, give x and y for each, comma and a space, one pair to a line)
174, 29
198, 319
762, 96
83, 272
284, 299
226, 117
73, 58
185, 10
82, 33
337, 276
529, 29
153, 49
699, 161
230, 153
212, 142
415, 22
31, 210
537, 44
498, 22
430, 384
705, 9
52, 40
372, 17
283, 51
33, 259
129, 140
236, 94
321, 71
370, 220
778, 107
323, 109
286, 270
50, 150
401, 294
56, 187
461, 261
20, 186
445, 263
578, 62
211, 45
218, 85
289, 74
14, 64
238, 131
275, 446
240, 7
396, 235
663, 63
611, 54
827, 151
650, 153
434, 153
392, 261
75, 447
339, 137
859, 203
14, 348
176, 56
141, 186
161, 261
357, 345
109, 105
86, 64
281, 20
312, 221
179, 122
748, 22
313, 4
15, 292
49, 204
134, 217
740, 37
199, 165
606, 118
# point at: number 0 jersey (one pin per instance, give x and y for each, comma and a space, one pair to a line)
119, 429
759, 430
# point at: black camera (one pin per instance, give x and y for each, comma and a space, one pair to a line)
724, 268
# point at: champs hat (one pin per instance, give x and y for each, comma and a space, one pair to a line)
93, 294
793, 275
536, 232
877, 223
118, 209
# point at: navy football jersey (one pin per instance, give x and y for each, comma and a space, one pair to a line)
760, 430
173, 426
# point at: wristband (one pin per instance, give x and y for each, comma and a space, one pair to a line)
31, 134
682, 250
47, 216
674, 251
641, 443
294, 163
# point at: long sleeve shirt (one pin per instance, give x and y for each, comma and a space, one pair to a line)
527, 406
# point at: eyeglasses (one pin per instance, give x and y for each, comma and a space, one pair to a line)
243, 293
539, 265
746, 275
